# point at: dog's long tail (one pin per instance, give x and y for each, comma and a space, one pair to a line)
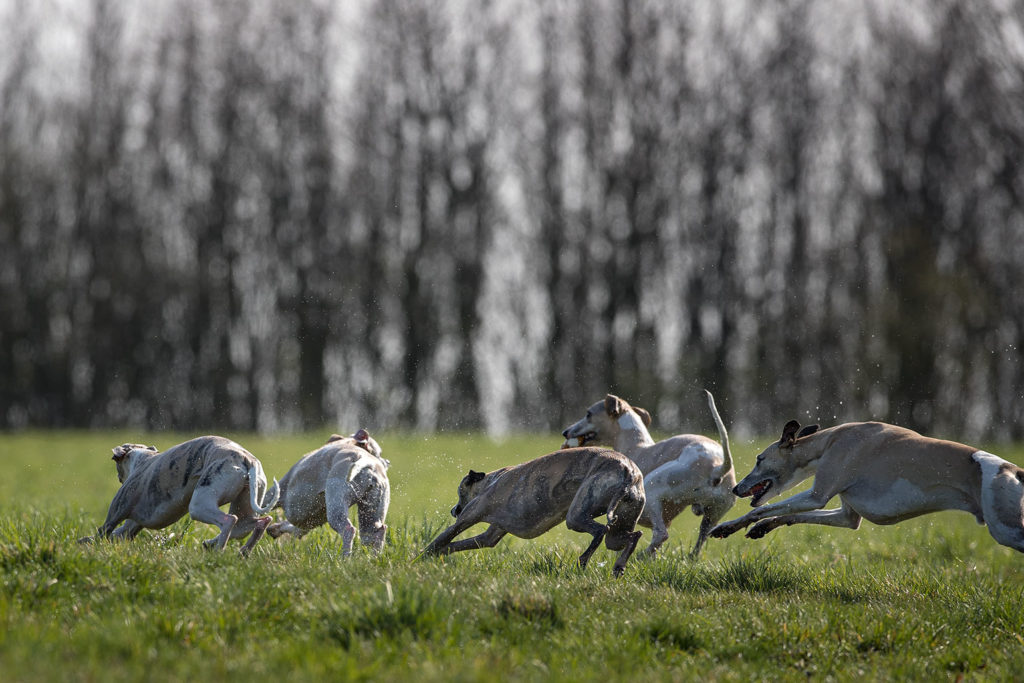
262, 507
723, 436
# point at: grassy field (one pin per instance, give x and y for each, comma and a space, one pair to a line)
933, 598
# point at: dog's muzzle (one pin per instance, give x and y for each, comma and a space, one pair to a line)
756, 492
579, 440
456, 510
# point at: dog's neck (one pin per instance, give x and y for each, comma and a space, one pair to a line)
807, 451
139, 459
633, 433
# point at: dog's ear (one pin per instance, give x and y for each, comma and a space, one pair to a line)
334, 437
121, 451
474, 476
361, 437
614, 406
807, 431
789, 433
644, 415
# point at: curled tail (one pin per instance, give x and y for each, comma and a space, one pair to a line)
723, 436
261, 507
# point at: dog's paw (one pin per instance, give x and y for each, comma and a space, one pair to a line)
760, 530
723, 530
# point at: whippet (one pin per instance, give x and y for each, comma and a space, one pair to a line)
574, 485
325, 483
882, 473
685, 470
197, 477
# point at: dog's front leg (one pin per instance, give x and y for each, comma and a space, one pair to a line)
801, 502
488, 539
659, 529
845, 517
120, 509
127, 531
706, 524
439, 544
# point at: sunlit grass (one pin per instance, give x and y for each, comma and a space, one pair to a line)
932, 598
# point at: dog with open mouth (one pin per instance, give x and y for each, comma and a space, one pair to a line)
882, 473
686, 470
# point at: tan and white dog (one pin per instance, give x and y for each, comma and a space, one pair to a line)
688, 470
197, 477
882, 473
324, 484
526, 500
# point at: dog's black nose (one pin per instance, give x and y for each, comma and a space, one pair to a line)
565, 433
736, 490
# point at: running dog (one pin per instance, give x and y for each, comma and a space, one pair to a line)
197, 477
882, 473
324, 484
685, 470
574, 485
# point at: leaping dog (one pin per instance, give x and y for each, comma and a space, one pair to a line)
574, 485
197, 477
882, 473
324, 484
688, 470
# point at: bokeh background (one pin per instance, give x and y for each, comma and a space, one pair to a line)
471, 215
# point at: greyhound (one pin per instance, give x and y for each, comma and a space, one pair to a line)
324, 484
882, 473
197, 477
684, 470
574, 485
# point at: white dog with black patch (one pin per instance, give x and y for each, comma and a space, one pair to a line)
196, 477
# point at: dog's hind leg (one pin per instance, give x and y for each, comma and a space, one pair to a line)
579, 518
373, 510
620, 562
1002, 499
278, 529
707, 523
659, 530
248, 523
338, 498
260, 525
622, 534
203, 508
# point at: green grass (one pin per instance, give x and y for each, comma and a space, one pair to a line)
933, 598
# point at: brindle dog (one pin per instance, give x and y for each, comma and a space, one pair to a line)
575, 485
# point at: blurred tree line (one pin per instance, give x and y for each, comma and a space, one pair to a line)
461, 215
